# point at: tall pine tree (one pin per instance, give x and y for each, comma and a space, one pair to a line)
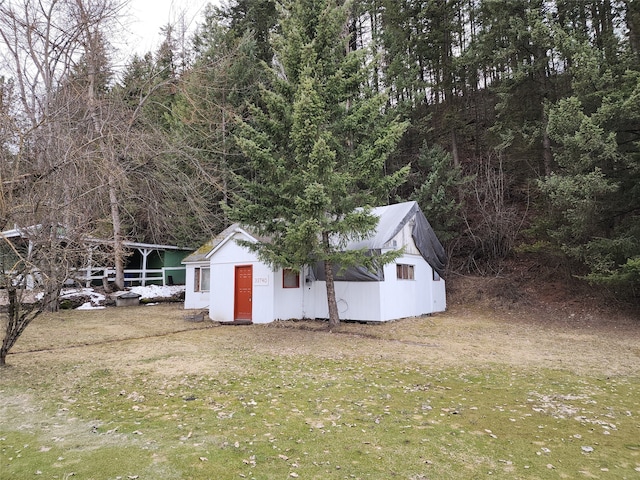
318, 142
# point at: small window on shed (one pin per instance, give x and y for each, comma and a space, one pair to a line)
205, 279
404, 272
290, 278
202, 279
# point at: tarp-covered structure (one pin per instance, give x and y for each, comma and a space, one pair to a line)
235, 285
392, 219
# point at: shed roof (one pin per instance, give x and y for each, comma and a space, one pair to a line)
391, 220
200, 255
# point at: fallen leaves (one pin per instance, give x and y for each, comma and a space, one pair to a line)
289, 416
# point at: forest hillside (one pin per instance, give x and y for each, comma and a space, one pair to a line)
515, 125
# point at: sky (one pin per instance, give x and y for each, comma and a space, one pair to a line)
148, 16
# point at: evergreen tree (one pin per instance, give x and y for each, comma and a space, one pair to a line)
439, 193
595, 191
317, 141
516, 43
257, 17
222, 80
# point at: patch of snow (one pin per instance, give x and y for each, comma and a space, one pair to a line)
90, 292
96, 299
90, 306
158, 291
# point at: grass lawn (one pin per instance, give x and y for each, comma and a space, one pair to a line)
139, 393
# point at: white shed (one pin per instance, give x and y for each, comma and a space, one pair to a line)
237, 287
198, 272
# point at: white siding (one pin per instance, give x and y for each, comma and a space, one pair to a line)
406, 298
356, 300
362, 301
411, 298
404, 237
439, 297
388, 300
193, 299
288, 301
223, 263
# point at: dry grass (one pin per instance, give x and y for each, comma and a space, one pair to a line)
580, 342
491, 387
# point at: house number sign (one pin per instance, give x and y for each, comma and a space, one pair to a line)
261, 281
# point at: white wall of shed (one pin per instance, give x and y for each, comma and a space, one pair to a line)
193, 299
388, 300
223, 265
408, 298
361, 301
356, 300
439, 297
288, 302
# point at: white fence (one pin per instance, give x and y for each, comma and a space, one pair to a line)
131, 276
87, 276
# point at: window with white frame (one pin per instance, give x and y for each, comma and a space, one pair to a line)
404, 272
290, 278
202, 279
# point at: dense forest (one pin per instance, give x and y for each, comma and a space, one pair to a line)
514, 124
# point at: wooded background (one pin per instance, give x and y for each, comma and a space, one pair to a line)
522, 139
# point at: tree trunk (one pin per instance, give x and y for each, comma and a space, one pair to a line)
4, 348
17, 321
633, 24
454, 148
334, 317
547, 155
118, 250
225, 164
50, 301
93, 66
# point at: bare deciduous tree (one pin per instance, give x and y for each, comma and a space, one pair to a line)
47, 177
492, 222
58, 58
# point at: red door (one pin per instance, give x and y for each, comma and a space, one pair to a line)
243, 293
